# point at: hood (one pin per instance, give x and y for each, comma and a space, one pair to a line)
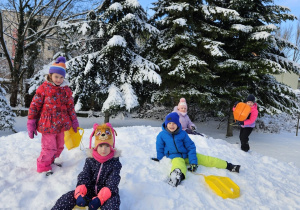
254, 106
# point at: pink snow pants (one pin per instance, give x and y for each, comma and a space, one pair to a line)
52, 146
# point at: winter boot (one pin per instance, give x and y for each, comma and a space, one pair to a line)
48, 173
54, 163
57, 164
245, 147
233, 168
175, 177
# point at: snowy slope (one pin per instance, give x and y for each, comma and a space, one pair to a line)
265, 182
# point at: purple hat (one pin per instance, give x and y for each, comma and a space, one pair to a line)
59, 67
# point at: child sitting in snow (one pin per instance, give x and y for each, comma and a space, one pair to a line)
175, 144
51, 112
97, 184
186, 124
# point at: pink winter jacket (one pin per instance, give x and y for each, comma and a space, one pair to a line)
250, 121
184, 120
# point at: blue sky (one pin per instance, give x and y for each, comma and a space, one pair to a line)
294, 5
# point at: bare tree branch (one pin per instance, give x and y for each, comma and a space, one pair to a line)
3, 44
296, 56
28, 23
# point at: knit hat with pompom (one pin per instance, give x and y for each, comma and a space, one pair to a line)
182, 103
58, 67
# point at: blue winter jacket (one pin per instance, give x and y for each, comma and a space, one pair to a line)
176, 144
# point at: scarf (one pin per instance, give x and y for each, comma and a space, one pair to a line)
103, 159
183, 113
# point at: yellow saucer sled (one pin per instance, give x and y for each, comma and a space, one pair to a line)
72, 139
222, 186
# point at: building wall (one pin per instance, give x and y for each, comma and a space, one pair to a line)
47, 50
290, 79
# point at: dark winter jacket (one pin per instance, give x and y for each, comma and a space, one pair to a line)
176, 144
109, 176
53, 107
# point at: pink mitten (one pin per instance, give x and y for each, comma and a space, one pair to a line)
31, 128
80, 190
104, 195
75, 125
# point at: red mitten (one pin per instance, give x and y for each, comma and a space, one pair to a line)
80, 190
104, 195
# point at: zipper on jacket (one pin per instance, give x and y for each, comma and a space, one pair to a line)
96, 190
176, 145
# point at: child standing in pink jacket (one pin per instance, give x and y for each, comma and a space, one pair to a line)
248, 125
51, 113
186, 124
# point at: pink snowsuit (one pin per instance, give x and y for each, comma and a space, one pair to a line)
53, 109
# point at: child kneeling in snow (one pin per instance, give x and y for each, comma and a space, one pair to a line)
175, 144
97, 184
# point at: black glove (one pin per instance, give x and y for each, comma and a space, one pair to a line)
193, 167
240, 122
155, 159
193, 128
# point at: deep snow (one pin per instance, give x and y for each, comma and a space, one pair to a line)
265, 182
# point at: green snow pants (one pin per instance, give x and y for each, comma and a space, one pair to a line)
203, 160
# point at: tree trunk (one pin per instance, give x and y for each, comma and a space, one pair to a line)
229, 127
106, 116
14, 94
28, 97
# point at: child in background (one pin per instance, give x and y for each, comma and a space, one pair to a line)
175, 144
248, 125
98, 182
186, 124
51, 112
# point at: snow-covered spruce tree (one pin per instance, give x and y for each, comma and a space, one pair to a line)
186, 50
109, 69
255, 56
6, 114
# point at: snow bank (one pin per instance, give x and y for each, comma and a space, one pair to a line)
265, 182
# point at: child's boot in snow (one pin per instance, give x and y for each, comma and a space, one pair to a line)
245, 147
175, 177
233, 168
57, 164
48, 173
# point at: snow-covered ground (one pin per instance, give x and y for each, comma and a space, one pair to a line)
269, 177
